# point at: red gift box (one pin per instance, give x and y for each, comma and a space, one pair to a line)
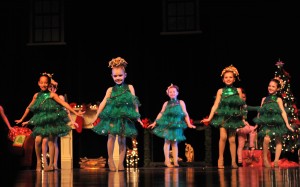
256, 160
18, 131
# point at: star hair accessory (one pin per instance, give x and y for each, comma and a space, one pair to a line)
117, 62
53, 82
232, 69
48, 74
172, 86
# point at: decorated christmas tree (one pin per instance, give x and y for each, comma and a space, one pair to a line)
291, 140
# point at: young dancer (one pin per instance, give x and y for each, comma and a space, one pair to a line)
248, 130
227, 114
53, 88
118, 112
49, 119
170, 124
272, 121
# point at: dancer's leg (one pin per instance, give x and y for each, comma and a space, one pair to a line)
122, 152
167, 153
222, 143
175, 153
110, 150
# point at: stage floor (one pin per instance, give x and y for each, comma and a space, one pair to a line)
161, 176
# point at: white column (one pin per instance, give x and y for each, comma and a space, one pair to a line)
66, 151
66, 178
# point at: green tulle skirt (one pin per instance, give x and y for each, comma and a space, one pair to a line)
50, 118
119, 115
270, 123
229, 113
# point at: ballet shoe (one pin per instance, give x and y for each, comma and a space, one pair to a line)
111, 165
276, 164
169, 165
176, 165
221, 164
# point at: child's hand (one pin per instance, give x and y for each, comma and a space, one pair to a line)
18, 121
25, 123
205, 121
80, 113
290, 128
191, 126
140, 121
75, 124
12, 129
151, 126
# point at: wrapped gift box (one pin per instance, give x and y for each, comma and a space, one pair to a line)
256, 160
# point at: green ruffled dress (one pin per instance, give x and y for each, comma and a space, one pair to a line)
119, 115
230, 110
270, 121
50, 118
171, 124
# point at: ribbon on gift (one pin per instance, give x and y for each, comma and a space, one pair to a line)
19, 140
251, 158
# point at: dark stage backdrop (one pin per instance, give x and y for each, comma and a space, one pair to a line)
251, 35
